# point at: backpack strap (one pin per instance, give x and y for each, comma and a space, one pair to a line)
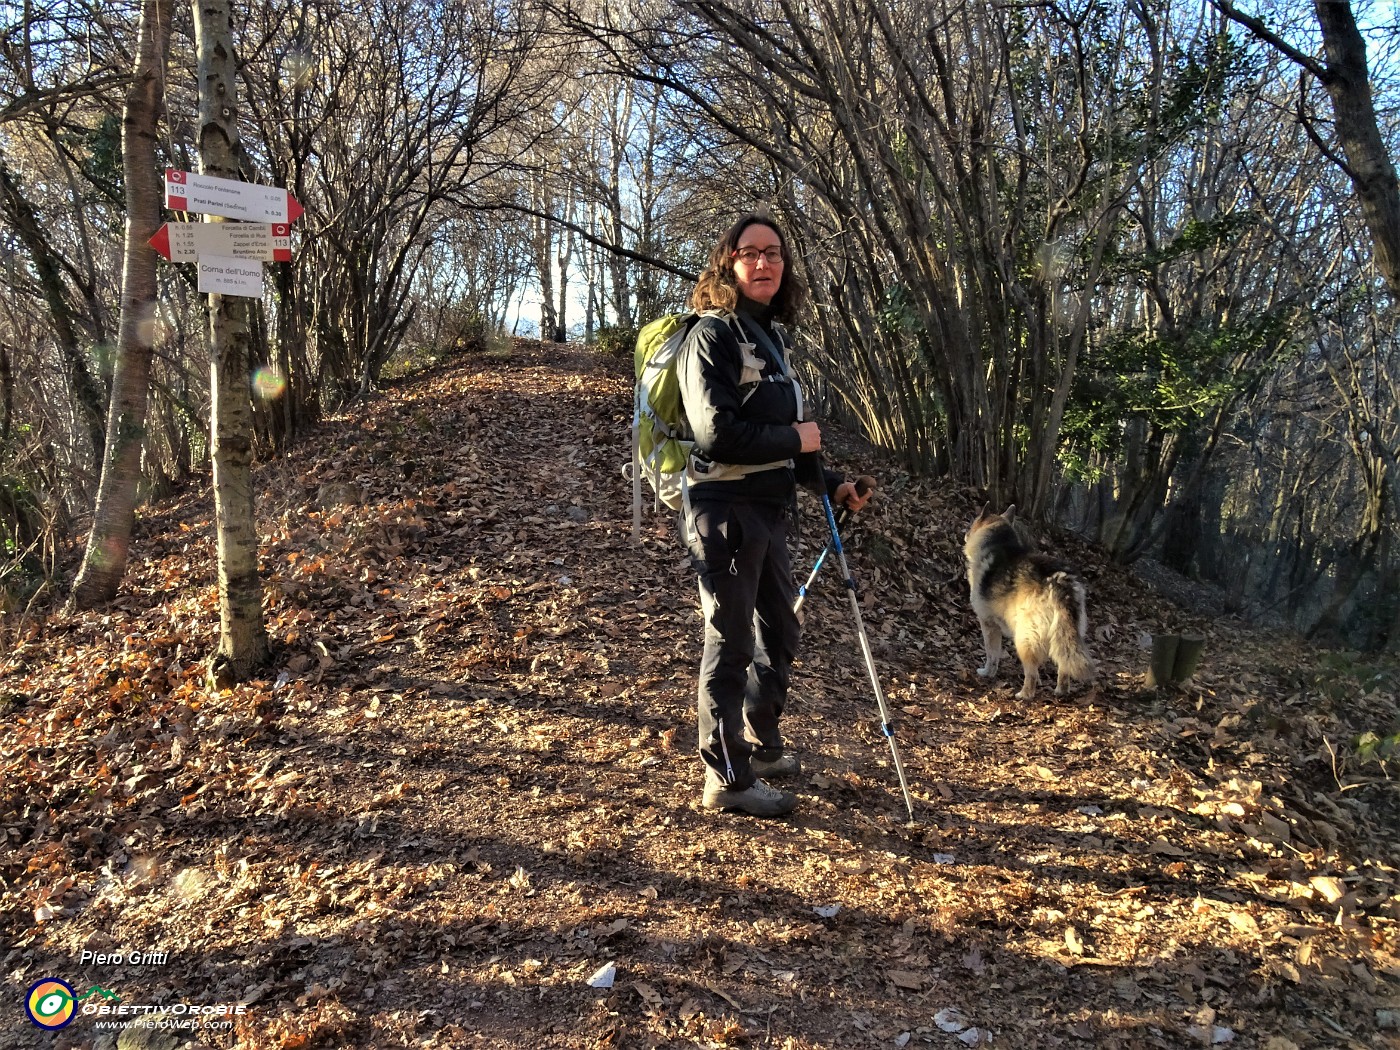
753, 363
781, 356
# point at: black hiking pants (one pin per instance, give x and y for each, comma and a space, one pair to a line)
740, 553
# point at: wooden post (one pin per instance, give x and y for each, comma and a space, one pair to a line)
1188, 655
1174, 658
1159, 673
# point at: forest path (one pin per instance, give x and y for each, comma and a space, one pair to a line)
469, 783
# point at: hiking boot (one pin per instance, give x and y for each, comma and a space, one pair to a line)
757, 800
785, 765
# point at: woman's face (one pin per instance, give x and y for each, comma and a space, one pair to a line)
758, 263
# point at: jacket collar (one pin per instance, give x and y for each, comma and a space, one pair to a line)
763, 313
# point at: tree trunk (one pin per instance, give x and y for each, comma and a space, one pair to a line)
109, 541
543, 240
565, 255
28, 227
7, 394
243, 644
1348, 84
1346, 76
1331, 626
1182, 534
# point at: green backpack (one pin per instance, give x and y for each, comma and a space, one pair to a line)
661, 437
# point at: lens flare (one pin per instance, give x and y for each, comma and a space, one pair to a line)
268, 384
298, 68
146, 323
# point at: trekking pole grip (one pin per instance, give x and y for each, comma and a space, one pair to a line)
864, 484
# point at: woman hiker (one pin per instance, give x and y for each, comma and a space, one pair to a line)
752, 447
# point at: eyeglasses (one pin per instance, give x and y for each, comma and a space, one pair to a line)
750, 256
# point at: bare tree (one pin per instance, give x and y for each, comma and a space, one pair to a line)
109, 540
394, 117
956, 177
1362, 385
243, 645
25, 220
1345, 74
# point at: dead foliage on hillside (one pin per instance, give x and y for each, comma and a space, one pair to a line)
464, 798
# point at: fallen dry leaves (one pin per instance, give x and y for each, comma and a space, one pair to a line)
466, 789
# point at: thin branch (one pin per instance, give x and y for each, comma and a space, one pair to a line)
1264, 33
590, 237
46, 99
1306, 123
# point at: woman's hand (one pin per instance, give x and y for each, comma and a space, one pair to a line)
854, 495
811, 436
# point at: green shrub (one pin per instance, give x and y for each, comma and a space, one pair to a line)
616, 340
1371, 747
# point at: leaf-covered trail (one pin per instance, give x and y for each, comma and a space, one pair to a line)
468, 785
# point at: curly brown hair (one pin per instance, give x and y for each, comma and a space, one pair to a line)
718, 289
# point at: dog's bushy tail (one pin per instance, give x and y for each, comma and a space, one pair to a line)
1069, 628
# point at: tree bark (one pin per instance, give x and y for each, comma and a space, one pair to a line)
109, 541
1348, 84
243, 646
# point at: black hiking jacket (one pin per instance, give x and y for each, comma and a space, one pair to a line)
730, 429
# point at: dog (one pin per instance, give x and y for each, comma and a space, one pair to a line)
1029, 597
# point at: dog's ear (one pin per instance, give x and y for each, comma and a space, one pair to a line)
982, 514
1009, 515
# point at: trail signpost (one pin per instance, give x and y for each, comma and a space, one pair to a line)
230, 254
186, 191
188, 241
230, 276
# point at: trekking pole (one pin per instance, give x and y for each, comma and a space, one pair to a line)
816, 568
886, 725
841, 517
864, 484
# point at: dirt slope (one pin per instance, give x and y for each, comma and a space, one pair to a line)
468, 784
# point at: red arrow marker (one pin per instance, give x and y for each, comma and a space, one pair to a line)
190, 241
161, 241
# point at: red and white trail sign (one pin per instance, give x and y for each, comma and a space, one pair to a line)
186, 191
187, 241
